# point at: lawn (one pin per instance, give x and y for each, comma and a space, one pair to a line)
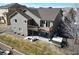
30, 48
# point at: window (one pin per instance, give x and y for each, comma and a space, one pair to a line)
51, 23
16, 20
25, 21
47, 24
42, 22
20, 29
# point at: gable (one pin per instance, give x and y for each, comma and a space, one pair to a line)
18, 16
21, 13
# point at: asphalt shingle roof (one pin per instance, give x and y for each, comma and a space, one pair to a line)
48, 13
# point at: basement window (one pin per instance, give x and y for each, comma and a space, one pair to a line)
14, 32
18, 33
22, 34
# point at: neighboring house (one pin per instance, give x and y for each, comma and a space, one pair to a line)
3, 18
7, 10
35, 21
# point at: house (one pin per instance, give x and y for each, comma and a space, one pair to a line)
43, 21
19, 23
35, 21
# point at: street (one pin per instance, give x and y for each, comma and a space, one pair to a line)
5, 47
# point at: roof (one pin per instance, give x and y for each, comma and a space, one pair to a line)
48, 13
23, 14
34, 11
45, 13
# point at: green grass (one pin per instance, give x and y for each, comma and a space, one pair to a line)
27, 47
